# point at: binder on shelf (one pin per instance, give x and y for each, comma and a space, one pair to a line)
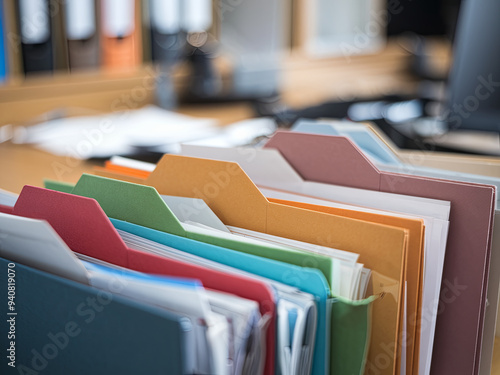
36, 36
120, 35
82, 35
459, 330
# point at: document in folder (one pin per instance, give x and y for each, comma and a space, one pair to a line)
459, 328
75, 217
391, 289
224, 186
119, 330
415, 227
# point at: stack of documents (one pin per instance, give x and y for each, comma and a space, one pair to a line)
316, 254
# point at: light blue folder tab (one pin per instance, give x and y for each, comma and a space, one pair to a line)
307, 280
370, 144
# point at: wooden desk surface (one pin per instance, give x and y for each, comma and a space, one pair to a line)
304, 83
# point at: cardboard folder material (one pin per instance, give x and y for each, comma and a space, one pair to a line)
57, 331
85, 228
336, 160
237, 202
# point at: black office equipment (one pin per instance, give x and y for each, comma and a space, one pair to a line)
36, 35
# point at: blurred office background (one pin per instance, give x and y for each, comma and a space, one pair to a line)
385, 61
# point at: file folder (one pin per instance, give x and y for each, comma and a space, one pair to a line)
84, 227
36, 35
65, 334
82, 33
120, 35
225, 186
459, 330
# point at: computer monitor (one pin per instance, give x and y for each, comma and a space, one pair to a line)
474, 81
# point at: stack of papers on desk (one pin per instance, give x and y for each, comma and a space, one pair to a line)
130, 132
301, 257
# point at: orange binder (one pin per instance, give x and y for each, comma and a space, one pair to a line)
121, 44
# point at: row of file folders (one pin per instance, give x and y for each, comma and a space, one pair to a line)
320, 253
47, 35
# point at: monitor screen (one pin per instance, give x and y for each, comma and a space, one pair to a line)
474, 82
